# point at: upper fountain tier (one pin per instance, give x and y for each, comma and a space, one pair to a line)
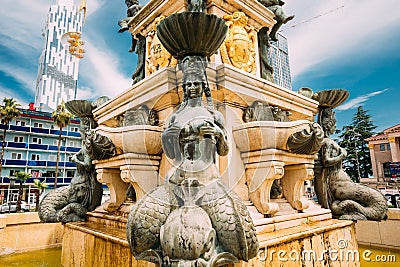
192, 33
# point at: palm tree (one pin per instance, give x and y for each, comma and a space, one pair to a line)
61, 118
9, 111
40, 186
22, 177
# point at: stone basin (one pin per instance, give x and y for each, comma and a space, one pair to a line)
259, 135
140, 139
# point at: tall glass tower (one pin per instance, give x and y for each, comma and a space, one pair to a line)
279, 60
58, 69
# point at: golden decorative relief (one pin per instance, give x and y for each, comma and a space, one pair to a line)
157, 56
238, 48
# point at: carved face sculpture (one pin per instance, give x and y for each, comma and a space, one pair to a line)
193, 86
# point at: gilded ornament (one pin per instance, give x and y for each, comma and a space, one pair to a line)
157, 56
238, 48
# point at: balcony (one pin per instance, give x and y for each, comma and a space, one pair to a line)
16, 144
19, 128
38, 146
14, 162
31, 129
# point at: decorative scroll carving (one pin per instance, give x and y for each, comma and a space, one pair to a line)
238, 48
157, 56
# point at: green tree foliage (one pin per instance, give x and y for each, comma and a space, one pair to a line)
8, 111
61, 118
352, 138
22, 177
40, 186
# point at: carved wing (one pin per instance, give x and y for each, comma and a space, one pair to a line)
145, 220
231, 220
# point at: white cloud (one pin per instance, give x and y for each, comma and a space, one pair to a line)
99, 70
343, 31
20, 74
360, 100
5, 92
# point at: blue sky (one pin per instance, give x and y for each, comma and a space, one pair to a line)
353, 45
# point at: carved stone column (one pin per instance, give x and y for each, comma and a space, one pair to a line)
293, 184
373, 160
112, 178
394, 149
260, 177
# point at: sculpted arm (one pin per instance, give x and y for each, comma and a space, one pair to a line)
332, 153
222, 137
170, 139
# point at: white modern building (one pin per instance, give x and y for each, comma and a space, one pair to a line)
279, 60
58, 69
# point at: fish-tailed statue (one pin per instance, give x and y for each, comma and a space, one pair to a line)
335, 189
71, 203
193, 219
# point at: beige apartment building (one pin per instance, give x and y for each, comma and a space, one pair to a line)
385, 155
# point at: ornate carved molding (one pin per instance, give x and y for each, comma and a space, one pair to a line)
157, 56
238, 48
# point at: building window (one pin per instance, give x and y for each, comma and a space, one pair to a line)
12, 172
38, 125
70, 173
74, 129
36, 140
35, 157
20, 123
382, 147
388, 147
15, 155
18, 139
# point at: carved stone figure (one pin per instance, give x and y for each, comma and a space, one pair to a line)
157, 56
260, 111
71, 203
267, 70
140, 116
193, 219
197, 5
276, 7
138, 41
133, 8
140, 50
335, 189
238, 48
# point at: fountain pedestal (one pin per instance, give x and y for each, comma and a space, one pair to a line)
288, 223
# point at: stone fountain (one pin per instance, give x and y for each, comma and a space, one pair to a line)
207, 157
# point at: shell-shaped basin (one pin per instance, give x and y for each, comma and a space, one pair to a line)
331, 97
259, 135
140, 139
192, 33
